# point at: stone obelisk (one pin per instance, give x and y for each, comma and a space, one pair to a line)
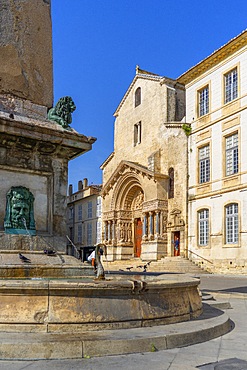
26, 50
34, 151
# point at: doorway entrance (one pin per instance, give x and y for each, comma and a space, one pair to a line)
138, 237
176, 243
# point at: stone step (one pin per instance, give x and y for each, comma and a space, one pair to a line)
167, 264
37, 346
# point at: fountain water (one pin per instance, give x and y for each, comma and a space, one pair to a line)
28, 233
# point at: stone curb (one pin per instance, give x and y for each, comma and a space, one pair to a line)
31, 346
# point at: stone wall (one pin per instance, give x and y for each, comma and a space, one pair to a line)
26, 50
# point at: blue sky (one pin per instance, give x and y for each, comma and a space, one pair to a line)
98, 43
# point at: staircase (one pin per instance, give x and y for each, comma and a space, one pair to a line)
179, 265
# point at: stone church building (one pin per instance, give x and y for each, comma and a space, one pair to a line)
145, 178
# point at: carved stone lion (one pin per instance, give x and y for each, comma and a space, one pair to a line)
61, 113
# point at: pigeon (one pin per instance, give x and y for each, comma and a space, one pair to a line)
49, 252
23, 258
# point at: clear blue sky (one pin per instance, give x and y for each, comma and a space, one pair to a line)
97, 44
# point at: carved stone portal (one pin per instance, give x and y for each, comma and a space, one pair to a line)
19, 215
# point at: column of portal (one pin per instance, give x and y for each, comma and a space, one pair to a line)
151, 226
157, 224
105, 231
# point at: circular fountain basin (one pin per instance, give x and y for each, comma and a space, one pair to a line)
75, 305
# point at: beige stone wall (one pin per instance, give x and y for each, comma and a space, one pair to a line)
26, 50
145, 169
152, 113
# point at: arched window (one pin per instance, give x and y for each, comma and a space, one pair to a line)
203, 227
137, 96
231, 222
171, 183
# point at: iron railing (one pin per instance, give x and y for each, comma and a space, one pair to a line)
203, 258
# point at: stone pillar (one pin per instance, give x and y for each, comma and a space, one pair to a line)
105, 231
151, 226
157, 232
113, 231
109, 231
144, 227
26, 51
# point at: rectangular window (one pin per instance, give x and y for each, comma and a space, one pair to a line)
231, 85
99, 231
232, 224
203, 227
204, 164
204, 101
79, 234
89, 234
232, 154
79, 212
137, 133
89, 210
98, 210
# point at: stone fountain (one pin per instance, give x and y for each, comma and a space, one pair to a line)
52, 292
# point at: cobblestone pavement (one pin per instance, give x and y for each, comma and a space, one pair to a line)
224, 353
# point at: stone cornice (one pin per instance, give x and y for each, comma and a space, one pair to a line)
215, 58
44, 137
107, 160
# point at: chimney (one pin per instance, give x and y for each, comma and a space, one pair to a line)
70, 189
85, 183
79, 185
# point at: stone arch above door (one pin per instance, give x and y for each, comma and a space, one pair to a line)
126, 189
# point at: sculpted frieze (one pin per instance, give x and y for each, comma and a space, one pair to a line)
124, 214
155, 204
110, 215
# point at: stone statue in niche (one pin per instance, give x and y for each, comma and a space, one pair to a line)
19, 215
62, 112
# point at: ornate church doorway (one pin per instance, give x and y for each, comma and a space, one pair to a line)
138, 237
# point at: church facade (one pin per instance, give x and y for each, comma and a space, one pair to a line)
145, 178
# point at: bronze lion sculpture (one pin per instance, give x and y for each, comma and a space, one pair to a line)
61, 113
